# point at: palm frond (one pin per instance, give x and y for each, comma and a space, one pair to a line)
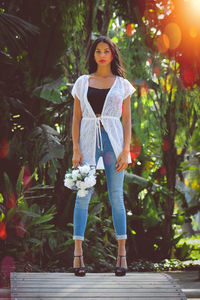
15, 32
142, 182
48, 144
52, 91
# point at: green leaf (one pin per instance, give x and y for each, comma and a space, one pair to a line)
1, 198
28, 213
19, 185
42, 219
52, 91
46, 227
35, 241
8, 183
35, 197
2, 216
52, 243
150, 211
50, 147
38, 187
10, 214
68, 242
133, 232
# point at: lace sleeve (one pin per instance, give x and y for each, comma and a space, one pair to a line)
76, 90
128, 89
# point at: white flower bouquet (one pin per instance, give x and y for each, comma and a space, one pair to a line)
81, 179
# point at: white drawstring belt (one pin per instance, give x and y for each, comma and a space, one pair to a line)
98, 131
98, 128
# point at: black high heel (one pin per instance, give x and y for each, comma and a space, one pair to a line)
80, 271
119, 271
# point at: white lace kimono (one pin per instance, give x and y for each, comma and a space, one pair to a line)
110, 118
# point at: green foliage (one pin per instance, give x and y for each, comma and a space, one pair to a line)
15, 33
188, 248
100, 236
163, 114
150, 212
165, 265
48, 147
51, 91
32, 237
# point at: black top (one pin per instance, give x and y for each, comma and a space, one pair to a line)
96, 98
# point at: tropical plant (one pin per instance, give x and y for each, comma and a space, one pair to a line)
28, 233
158, 120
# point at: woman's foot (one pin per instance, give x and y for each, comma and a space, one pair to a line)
121, 266
78, 266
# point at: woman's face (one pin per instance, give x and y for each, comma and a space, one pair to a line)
103, 55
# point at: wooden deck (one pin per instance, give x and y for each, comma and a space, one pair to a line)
101, 286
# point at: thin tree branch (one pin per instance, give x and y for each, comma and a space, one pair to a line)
191, 130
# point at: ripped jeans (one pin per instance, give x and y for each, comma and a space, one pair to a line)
115, 191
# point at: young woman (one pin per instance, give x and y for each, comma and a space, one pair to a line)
100, 139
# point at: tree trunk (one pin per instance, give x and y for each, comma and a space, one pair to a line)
170, 163
107, 14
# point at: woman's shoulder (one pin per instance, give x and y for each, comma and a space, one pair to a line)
82, 77
126, 86
78, 86
80, 81
123, 81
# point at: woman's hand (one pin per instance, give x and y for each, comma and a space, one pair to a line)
122, 161
77, 158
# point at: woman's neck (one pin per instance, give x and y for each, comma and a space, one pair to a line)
103, 72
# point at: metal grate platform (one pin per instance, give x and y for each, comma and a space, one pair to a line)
101, 286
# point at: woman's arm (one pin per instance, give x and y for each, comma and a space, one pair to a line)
122, 161
126, 121
77, 116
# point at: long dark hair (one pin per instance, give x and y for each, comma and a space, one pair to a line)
116, 64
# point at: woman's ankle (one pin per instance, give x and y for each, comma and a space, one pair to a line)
78, 261
78, 253
121, 261
121, 252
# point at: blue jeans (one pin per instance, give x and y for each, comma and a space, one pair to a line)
115, 191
